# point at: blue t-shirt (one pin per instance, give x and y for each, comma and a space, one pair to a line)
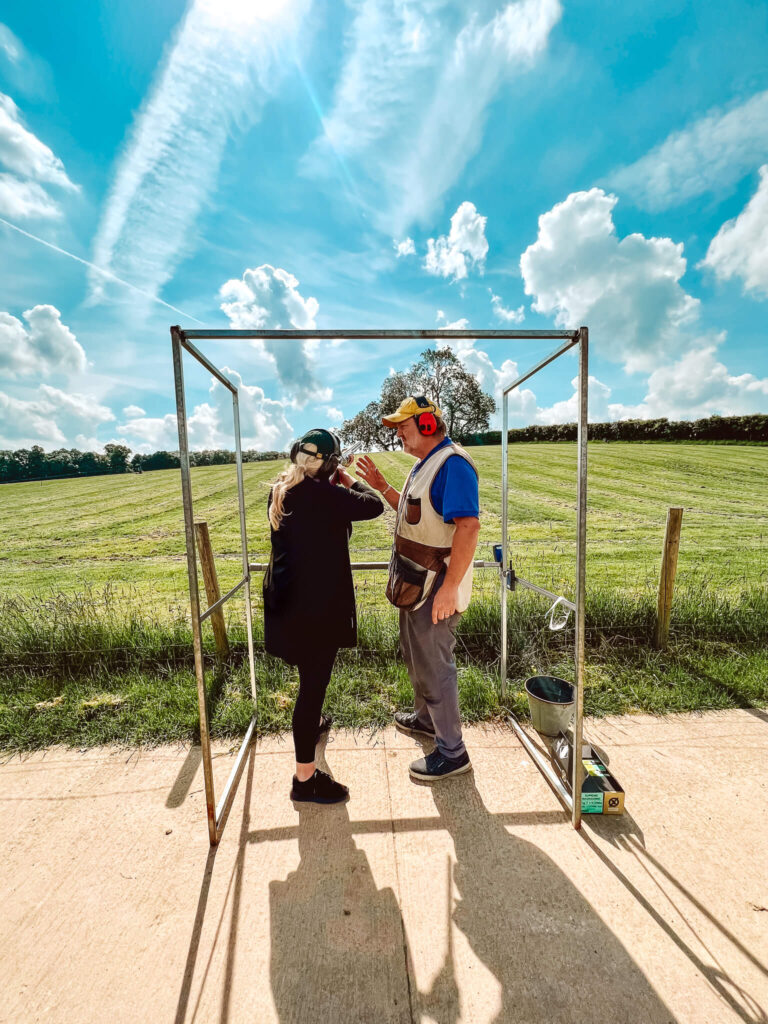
454, 491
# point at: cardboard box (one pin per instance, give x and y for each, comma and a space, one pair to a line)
600, 791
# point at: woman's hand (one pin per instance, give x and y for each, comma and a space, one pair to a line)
366, 469
341, 476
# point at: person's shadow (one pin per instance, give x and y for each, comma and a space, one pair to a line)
339, 951
552, 955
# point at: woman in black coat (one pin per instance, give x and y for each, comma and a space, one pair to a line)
309, 598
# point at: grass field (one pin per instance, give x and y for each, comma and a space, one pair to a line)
94, 629
128, 530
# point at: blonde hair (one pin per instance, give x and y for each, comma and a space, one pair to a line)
305, 465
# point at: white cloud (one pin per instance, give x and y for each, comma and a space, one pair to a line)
22, 200
27, 162
26, 72
132, 411
453, 325
710, 155
410, 104
268, 298
43, 347
23, 153
625, 290
740, 247
49, 419
507, 316
334, 415
404, 248
263, 422
227, 59
465, 246
697, 385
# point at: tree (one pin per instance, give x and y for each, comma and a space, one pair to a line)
440, 375
117, 456
368, 428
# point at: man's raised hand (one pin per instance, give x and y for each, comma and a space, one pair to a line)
366, 470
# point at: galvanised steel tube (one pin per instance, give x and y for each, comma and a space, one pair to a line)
504, 528
545, 593
230, 787
222, 600
581, 567
377, 335
244, 543
574, 340
209, 367
194, 597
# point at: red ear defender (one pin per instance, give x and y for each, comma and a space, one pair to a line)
426, 423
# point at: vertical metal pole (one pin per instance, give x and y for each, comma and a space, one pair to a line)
504, 557
581, 560
244, 544
194, 598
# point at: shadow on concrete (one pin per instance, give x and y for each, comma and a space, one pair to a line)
738, 999
184, 779
554, 958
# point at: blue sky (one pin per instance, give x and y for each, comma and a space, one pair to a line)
377, 164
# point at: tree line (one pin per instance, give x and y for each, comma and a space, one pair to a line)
36, 464
751, 429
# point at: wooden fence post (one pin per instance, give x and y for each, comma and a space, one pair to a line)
667, 577
212, 591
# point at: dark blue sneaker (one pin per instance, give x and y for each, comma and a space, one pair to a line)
437, 766
409, 723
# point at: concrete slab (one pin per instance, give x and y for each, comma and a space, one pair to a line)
470, 900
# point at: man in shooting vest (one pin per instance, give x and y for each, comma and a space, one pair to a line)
430, 575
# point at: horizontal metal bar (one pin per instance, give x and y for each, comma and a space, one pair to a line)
543, 765
545, 593
540, 366
220, 602
231, 785
263, 566
208, 364
382, 335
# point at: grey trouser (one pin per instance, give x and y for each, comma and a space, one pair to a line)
428, 654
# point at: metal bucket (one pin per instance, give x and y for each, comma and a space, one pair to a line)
551, 702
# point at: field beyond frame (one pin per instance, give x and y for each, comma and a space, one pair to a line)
94, 621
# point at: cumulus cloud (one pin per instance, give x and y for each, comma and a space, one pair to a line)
710, 155
333, 414
697, 385
507, 316
27, 162
404, 248
263, 422
43, 347
49, 419
626, 290
451, 325
132, 411
410, 104
227, 59
268, 298
464, 247
740, 248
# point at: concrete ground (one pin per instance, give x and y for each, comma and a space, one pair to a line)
470, 900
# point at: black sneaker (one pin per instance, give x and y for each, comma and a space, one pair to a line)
320, 788
437, 766
409, 723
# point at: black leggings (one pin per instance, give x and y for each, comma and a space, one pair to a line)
314, 676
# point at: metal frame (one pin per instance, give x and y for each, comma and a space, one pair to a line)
217, 813
571, 801
182, 340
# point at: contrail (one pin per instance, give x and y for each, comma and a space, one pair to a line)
100, 270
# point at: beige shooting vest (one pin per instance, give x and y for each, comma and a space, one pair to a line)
422, 540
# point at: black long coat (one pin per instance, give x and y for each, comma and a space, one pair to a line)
309, 598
